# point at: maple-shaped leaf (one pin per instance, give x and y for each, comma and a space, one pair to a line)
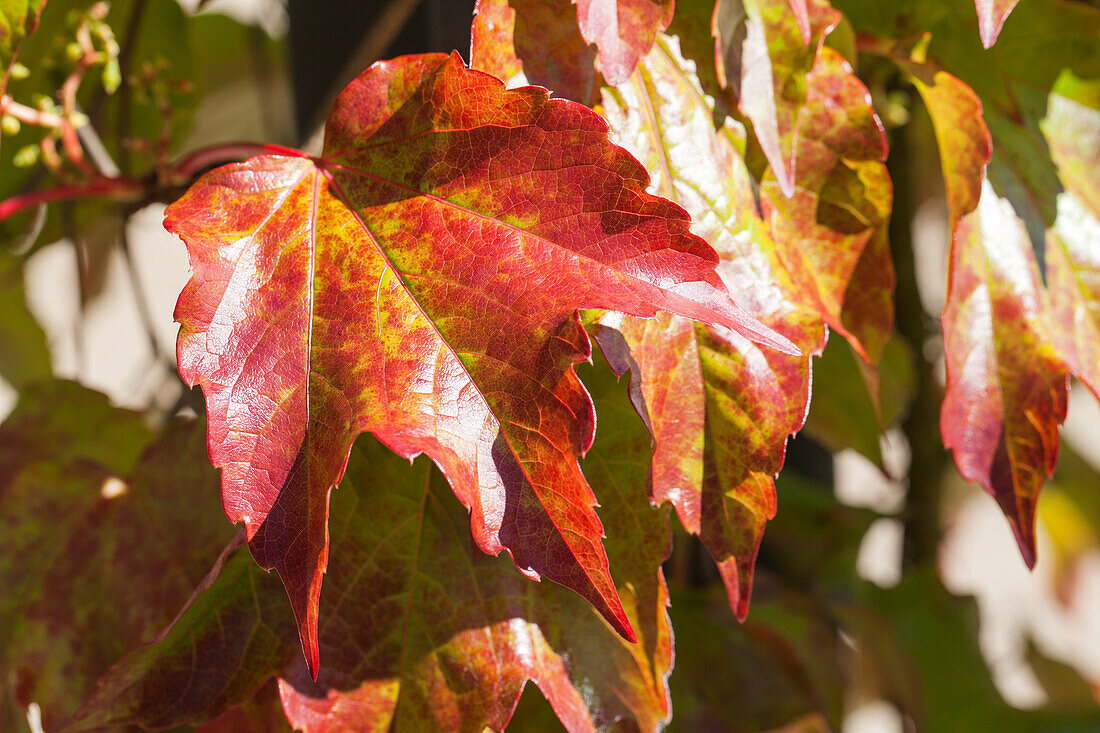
425, 611
420, 281
105, 529
623, 31
425, 633
763, 55
1006, 387
992, 15
539, 38
720, 409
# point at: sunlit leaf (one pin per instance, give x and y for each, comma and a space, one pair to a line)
420, 282
992, 15
1073, 280
539, 38
764, 52
720, 408
623, 31
1006, 388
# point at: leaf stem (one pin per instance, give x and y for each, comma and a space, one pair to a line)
127, 189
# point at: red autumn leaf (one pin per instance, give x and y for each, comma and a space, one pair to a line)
992, 15
1006, 388
720, 408
539, 38
416, 624
623, 31
763, 56
426, 633
420, 281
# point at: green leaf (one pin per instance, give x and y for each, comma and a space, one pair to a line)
18, 19
104, 531
25, 357
425, 632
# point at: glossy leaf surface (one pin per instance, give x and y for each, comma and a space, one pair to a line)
1073, 279
420, 282
764, 52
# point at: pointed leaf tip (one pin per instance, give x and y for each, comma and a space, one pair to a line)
992, 15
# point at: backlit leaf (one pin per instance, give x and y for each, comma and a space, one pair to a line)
764, 53
420, 281
1006, 387
623, 31
539, 38
18, 19
1073, 279
720, 408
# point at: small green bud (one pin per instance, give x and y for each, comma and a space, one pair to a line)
73, 51
112, 77
9, 125
26, 156
42, 102
19, 71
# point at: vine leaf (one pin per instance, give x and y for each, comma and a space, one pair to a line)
623, 31
763, 55
82, 484
992, 15
420, 281
425, 632
18, 19
720, 408
539, 38
1006, 386
1073, 280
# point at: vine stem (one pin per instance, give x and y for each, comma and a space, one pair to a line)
126, 189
